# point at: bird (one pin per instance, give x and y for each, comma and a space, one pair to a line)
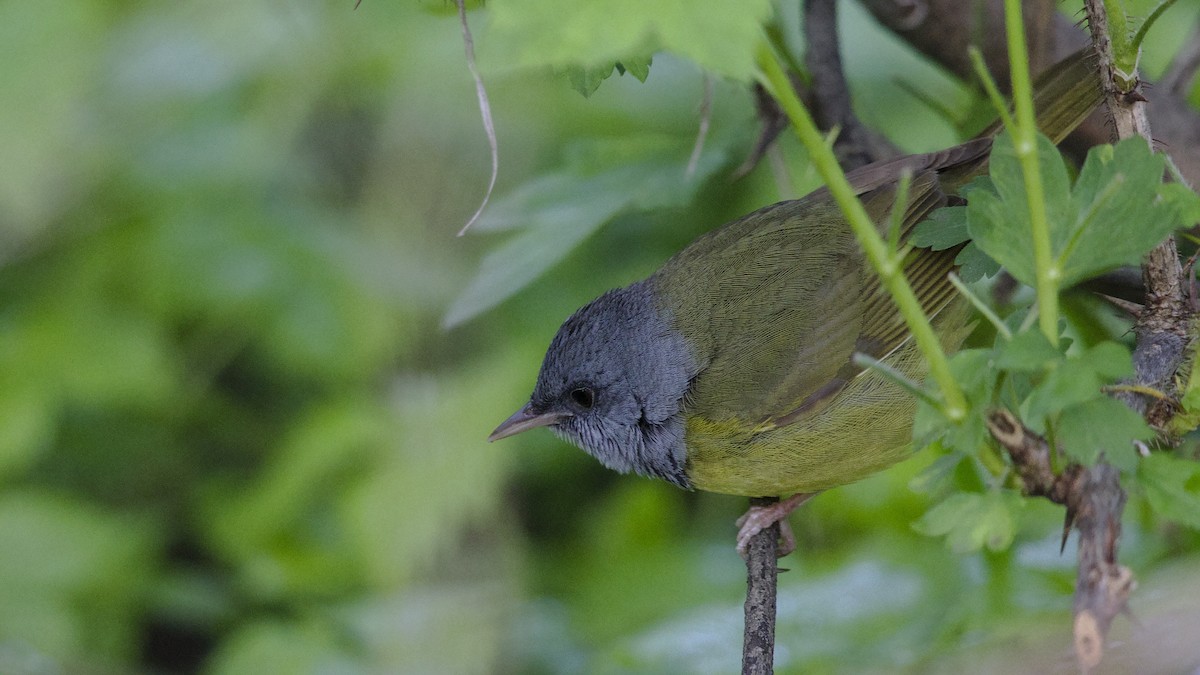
732, 369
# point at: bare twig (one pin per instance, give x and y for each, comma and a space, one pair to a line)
1094, 501
771, 121
705, 121
758, 643
856, 144
485, 111
1102, 586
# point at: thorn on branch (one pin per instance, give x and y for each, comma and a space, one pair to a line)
1094, 503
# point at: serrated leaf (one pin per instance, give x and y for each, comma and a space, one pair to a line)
638, 67
1027, 351
1118, 214
1109, 359
974, 264
1102, 425
971, 521
938, 474
1183, 200
947, 226
973, 370
718, 35
587, 79
1076, 380
1172, 487
943, 228
999, 221
1117, 211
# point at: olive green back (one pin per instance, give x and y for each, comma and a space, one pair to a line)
775, 305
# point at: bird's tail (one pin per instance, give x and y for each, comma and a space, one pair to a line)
1065, 95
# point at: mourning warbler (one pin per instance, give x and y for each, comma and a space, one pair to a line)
731, 368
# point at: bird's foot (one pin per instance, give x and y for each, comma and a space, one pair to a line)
759, 518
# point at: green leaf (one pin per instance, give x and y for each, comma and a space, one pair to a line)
73, 575
999, 220
1183, 200
973, 370
638, 67
41, 130
243, 521
1027, 351
938, 474
943, 228
283, 646
974, 264
1103, 425
587, 79
1188, 417
718, 35
1110, 360
1076, 380
1172, 487
971, 520
601, 179
947, 226
26, 427
515, 264
1117, 209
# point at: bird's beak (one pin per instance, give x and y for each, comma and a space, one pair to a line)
524, 420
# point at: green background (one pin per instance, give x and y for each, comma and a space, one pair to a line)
247, 370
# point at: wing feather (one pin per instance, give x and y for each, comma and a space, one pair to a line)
776, 304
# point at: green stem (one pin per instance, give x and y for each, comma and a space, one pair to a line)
980, 305
1140, 36
989, 86
888, 265
1047, 272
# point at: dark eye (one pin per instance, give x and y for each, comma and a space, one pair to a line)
583, 397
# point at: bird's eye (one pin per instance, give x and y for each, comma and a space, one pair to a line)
583, 397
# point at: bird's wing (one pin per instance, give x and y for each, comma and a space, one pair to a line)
781, 300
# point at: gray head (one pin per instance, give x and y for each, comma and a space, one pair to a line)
613, 382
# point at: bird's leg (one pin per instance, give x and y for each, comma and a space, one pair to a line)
759, 518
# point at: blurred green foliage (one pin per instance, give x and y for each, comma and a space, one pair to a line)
235, 436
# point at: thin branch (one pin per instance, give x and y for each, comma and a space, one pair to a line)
771, 121
705, 121
1031, 456
856, 145
1103, 586
758, 642
1163, 323
1094, 501
485, 110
